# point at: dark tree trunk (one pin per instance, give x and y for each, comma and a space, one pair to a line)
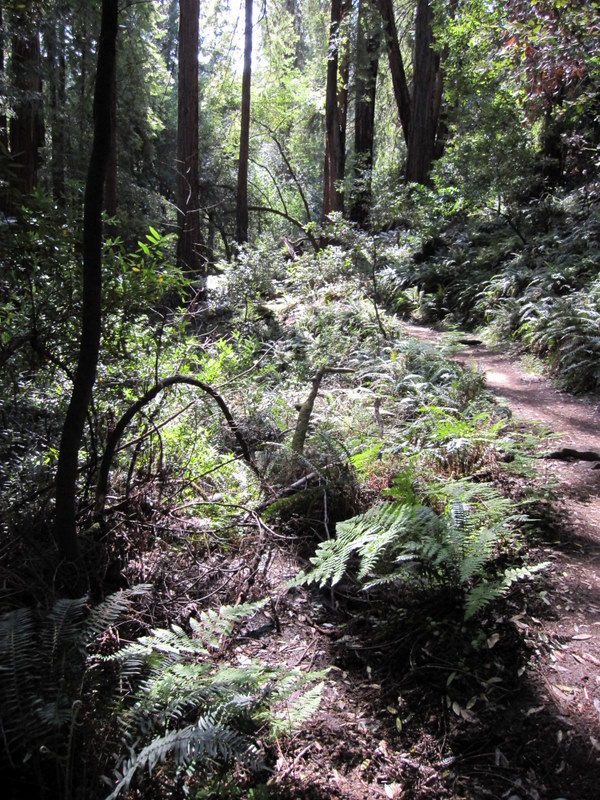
4, 192
426, 99
55, 49
367, 65
110, 188
241, 206
66, 476
189, 245
26, 125
399, 82
336, 95
295, 10
420, 113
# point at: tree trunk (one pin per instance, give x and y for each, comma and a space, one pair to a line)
419, 113
426, 98
26, 125
367, 66
4, 191
187, 190
3, 120
242, 183
110, 189
55, 49
336, 93
399, 82
66, 476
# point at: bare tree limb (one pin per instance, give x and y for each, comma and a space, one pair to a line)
119, 429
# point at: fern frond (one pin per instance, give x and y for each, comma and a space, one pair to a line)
18, 668
106, 614
214, 624
297, 712
207, 739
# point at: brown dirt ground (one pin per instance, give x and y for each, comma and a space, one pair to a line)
523, 721
419, 709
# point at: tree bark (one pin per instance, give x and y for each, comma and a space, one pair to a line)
367, 66
3, 120
426, 98
242, 182
418, 112
336, 94
110, 188
26, 125
398, 75
55, 49
189, 244
66, 476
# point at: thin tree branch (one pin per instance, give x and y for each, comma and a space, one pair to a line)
119, 429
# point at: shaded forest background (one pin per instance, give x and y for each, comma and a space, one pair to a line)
213, 220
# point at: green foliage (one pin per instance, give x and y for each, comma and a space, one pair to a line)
409, 544
178, 683
44, 670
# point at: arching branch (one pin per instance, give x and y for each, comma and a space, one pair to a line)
119, 429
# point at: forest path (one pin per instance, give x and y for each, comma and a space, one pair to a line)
567, 666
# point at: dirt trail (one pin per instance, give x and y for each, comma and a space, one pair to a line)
569, 664
534, 729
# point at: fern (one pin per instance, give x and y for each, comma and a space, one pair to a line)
394, 543
185, 707
206, 739
43, 661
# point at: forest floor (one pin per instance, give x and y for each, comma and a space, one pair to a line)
519, 720
417, 704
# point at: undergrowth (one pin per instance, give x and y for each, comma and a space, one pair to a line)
535, 282
320, 421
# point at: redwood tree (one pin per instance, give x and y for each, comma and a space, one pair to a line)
419, 110
85, 375
187, 187
241, 215
55, 44
366, 68
26, 124
336, 102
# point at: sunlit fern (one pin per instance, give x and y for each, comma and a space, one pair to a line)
404, 544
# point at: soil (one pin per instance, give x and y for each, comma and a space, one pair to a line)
417, 704
422, 715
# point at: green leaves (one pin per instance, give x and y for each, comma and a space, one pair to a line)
177, 682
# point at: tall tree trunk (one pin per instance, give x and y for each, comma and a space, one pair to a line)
241, 206
294, 8
55, 49
4, 191
419, 113
110, 189
426, 99
367, 66
66, 476
3, 120
399, 82
336, 94
26, 125
187, 189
